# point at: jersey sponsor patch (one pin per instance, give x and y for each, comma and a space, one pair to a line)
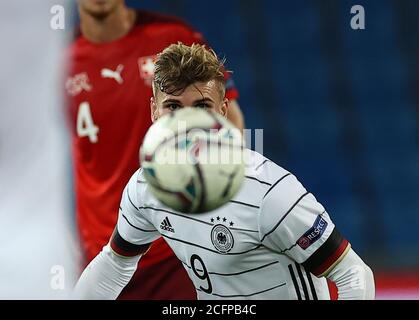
313, 234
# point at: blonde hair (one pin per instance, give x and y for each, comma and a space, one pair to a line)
179, 66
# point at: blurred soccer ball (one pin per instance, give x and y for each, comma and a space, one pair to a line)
193, 160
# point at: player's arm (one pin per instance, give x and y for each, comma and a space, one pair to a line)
292, 222
337, 261
111, 270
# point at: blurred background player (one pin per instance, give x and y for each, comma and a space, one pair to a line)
110, 89
37, 255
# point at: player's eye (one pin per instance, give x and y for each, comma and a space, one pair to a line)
203, 106
172, 106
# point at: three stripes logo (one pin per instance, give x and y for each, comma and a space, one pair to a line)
302, 291
166, 225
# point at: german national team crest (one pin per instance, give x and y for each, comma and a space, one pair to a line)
222, 238
146, 66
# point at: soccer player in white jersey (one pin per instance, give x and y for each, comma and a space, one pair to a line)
272, 241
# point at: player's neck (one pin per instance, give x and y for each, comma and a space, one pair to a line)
113, 27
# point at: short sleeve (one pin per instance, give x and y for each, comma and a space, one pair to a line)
294, 223
132, 225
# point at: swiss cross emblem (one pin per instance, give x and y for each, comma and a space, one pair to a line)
146, 66
78, 83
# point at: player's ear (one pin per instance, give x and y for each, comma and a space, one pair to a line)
153, 109
224, 107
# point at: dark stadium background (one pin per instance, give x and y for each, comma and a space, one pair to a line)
339, 108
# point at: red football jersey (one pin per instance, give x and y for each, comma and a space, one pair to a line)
110, 89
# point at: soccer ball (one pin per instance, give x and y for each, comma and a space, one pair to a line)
193, 160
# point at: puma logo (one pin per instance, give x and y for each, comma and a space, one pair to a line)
108, 73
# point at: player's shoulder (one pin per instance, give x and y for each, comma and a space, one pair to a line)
144, 194
139, 178
261, 176
138, 190
282, 194
262, 168
159, 21
281, 185
137, 181
76, 41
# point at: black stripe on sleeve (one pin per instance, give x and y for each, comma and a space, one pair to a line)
122, 247
313, 289
324, 252
264, 161
274, 185
129, 198
294, 281
256, 179
135, 227
303, 281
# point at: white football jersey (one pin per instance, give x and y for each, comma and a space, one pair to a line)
258, 246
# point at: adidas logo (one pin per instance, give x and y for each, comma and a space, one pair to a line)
165, 225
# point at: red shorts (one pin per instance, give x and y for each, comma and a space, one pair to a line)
166, 279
